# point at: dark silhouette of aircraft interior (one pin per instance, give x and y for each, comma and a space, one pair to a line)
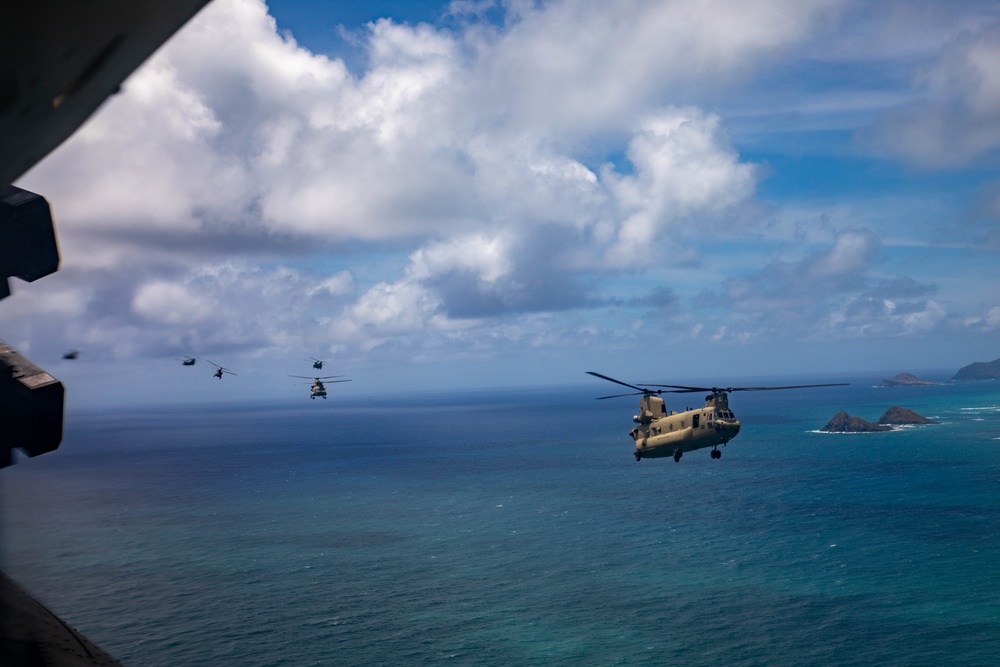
59, 61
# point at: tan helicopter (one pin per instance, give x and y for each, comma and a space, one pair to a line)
318, 388
661, 433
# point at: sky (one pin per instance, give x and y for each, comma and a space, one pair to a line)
498, 193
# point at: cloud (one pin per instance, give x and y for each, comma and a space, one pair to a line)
169, 303
867, 317
589, 65
850, 255
560, 177
387, 310
660, 297
234, 131
810, 282
234, 139
830, 294
985, 218
685, 175
900, 287
954, 121
988, 322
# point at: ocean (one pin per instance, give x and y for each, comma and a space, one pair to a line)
515, 528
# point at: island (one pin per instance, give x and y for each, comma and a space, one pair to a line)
894, 416
980, 370
845, 423
903, 416
904, 380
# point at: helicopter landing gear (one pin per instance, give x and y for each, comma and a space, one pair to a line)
677, 455
638, 455
716, 454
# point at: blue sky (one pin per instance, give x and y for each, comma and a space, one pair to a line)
449, 194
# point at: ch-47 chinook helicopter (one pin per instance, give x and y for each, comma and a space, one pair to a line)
663, 433
318, 388
219, 370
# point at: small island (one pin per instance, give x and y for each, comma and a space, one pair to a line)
894, 416
845, 423
902, 416
980, 370
904, 380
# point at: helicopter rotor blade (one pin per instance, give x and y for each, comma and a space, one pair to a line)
793, 386
642, 389
725, 390
624, 384
634, 393
680, 388
685, 389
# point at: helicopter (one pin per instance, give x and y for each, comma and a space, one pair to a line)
318, 388
219, 370
661, 433
72, 354
318, 364
189, 361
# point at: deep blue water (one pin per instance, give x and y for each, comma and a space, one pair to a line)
515, 528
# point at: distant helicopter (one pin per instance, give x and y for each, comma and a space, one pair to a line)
661, 433
72, 354
188, 361
318, 388
317, 364
219, 370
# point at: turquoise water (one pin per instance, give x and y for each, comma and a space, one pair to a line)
503, 528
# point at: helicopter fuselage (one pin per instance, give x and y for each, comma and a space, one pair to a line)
661, 433
318, 388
